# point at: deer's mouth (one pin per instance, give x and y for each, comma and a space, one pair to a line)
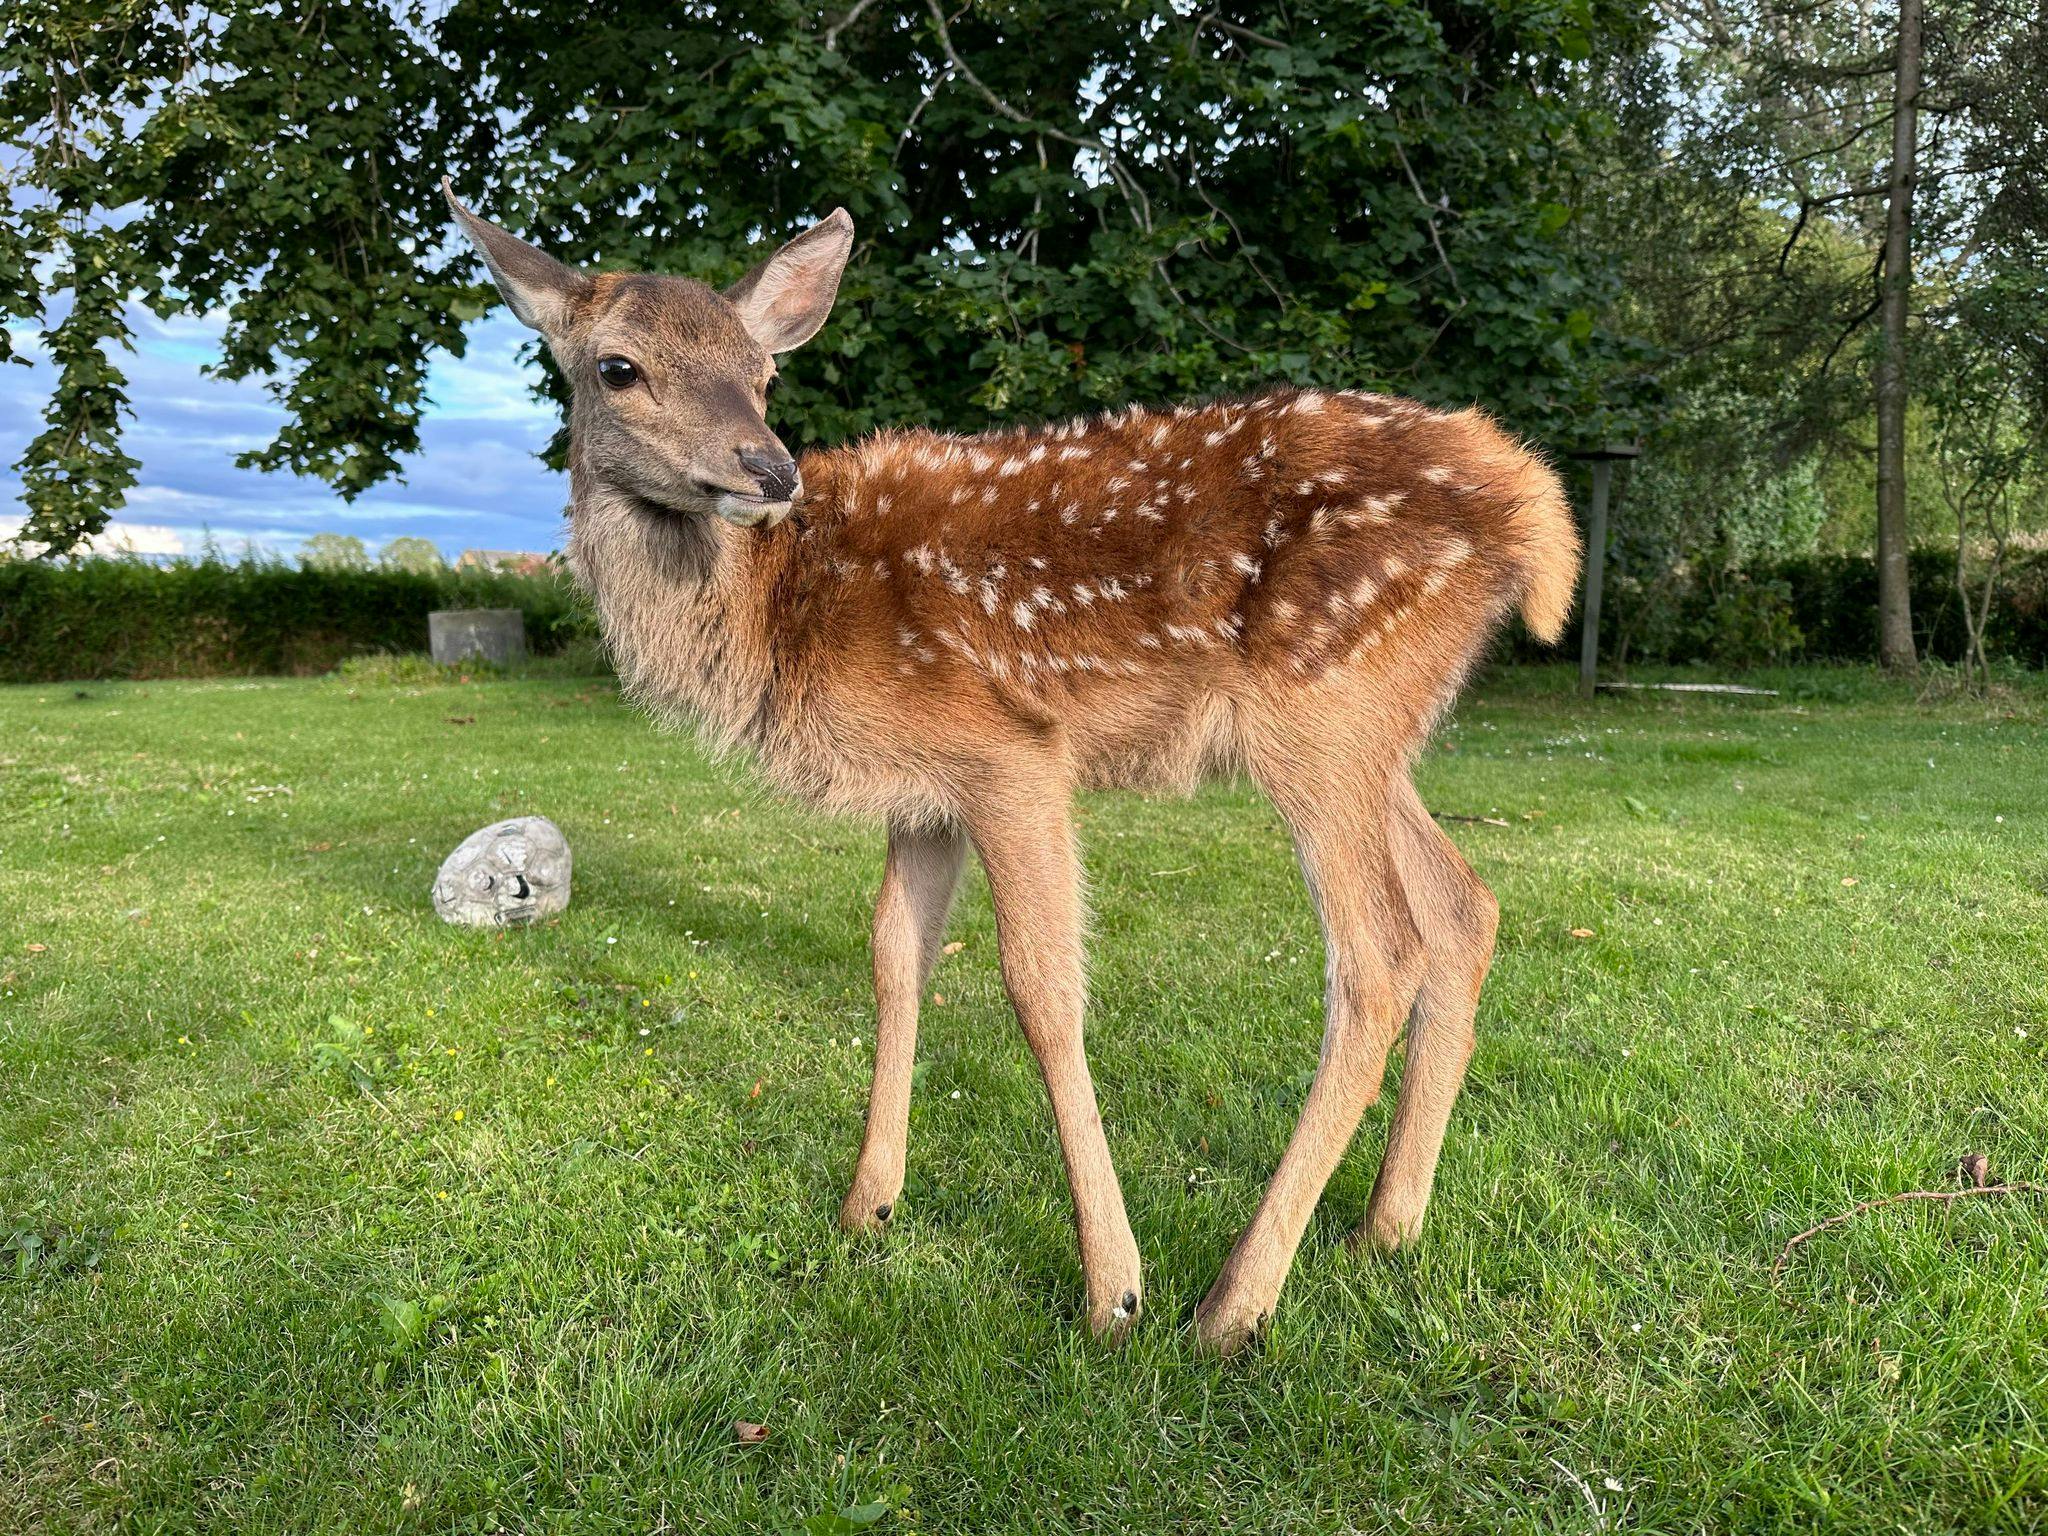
747, 509
715, 493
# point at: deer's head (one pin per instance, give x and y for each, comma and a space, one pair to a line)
670, 378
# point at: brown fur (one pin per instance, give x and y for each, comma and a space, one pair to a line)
1124, 594
954, 634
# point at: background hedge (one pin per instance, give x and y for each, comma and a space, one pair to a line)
1811, 608
125, 618
122, 618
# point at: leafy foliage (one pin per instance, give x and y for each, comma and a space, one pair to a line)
1062, 206
124, 618
334, 552
410, 554
1813, 607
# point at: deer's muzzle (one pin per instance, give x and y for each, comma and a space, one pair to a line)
774, 473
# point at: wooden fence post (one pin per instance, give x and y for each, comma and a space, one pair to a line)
1602, 460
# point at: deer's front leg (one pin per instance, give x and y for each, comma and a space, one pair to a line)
1034, 879
918, 883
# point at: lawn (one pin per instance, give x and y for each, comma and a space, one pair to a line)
317, 1215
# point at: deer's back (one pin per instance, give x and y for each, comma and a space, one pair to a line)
1134, 583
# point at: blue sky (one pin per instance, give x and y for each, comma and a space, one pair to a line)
475, 482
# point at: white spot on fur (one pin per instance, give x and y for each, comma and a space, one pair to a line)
1245, 565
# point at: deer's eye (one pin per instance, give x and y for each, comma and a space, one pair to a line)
617, 373
774, 383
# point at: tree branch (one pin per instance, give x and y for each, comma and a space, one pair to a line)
1133, 194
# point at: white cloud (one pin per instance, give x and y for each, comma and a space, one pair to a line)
474, 482
118, 538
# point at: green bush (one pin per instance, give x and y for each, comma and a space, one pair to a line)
1806, 608
125, 618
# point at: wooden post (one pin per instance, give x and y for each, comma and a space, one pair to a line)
1596, 573
1602, 460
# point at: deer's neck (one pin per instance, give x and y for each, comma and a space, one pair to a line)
681, 603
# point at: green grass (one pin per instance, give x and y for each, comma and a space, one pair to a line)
258, 1275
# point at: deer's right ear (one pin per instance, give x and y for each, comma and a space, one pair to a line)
542, 292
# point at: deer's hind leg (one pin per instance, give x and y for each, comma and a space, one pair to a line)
1337, 805
1457, 916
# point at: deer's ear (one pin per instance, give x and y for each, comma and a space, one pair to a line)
786, 298
541, 291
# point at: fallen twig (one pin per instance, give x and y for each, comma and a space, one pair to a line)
1785, 1253
1480, 821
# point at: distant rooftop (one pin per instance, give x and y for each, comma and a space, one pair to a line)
499, 560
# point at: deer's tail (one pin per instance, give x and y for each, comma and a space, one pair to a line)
1538, 527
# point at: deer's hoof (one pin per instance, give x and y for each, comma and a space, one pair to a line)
1386, 1232
862, 1214
1224, 1328
1112, 1321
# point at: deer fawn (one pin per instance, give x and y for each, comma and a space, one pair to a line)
953, 634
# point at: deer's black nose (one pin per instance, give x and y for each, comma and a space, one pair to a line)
775, 472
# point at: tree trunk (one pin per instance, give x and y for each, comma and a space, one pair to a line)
1894, 600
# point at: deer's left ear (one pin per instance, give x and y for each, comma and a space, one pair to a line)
542, 292
784, 300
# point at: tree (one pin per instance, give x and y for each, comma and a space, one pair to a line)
1894, 593
411, 554
334, 552
1988, 370
1061, 206
1792, 103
